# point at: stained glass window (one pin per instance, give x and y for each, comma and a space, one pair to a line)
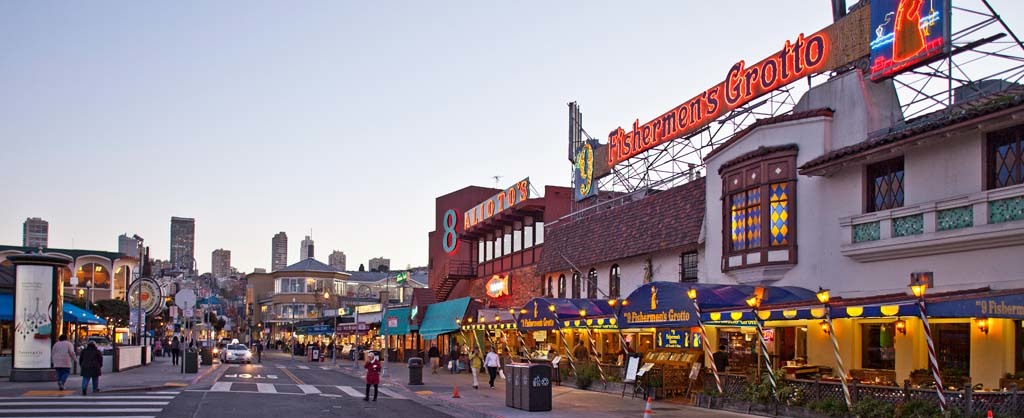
1006, 151
739, 221
885, 185
759, 213
779, 193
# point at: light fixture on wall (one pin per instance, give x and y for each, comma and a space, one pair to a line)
982, 324
901, 326
825, 327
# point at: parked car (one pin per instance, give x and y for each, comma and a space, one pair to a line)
235, 353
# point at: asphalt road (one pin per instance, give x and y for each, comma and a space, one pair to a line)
289, 390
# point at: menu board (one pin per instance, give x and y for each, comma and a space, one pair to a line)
631, 368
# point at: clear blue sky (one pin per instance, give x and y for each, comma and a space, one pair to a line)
347, 118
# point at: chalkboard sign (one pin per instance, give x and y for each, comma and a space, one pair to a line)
631, 368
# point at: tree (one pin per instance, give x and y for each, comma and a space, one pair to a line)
115, 311
362, 267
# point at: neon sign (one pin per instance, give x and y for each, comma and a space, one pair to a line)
905, 33
584, 172
497, 286
497, 203
802, 57
450, 239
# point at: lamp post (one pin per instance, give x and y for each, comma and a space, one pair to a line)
754, 302
709, 358
918, 288
294, 340
334, 330
824, 297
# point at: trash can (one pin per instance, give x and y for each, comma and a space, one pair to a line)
536, 388
314, 355
191, 361
207, 356
415, 371
513, 396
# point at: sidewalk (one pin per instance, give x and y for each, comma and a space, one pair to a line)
567, 401
159, 374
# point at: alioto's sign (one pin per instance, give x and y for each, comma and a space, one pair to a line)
497, 203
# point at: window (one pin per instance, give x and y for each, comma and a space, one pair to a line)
507, 241
613, 281
885, 185
877, 350
592, 284
481, 255
540, 232
528, 233
953, 348
575, 285
1005, 153
760, 211
517, 237
561, 285
94, 276
688, 267
1019, 352
548, 286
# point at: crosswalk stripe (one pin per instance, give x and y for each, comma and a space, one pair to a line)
391, 394
309, 389
9, 398
165, 393
266, 388
221, 387
304, 367
91, 416
80, 403
75, 410
349, 390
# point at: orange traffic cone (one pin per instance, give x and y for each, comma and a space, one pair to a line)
455, 394
989, 413
647, 411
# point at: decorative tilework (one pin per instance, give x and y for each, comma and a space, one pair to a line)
955, 218
1006, 210
908, 225
871, 231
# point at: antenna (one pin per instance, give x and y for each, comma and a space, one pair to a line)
497, 179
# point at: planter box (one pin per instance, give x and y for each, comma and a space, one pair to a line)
1005, 383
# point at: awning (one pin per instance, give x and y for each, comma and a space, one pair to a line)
73, 313
396, 322
666, 304
6, 307
315, 330
441, 317
545, 314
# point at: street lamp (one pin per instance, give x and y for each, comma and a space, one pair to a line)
826, 326
334, 330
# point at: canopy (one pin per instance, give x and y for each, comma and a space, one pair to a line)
73, 313
6, 307
666, 304
441, 317
315, 330
396, 322
539, 315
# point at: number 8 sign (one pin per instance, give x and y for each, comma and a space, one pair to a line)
450, 240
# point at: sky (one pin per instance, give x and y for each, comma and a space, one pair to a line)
342, 118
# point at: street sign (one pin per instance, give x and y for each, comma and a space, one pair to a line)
402, 277
185, 299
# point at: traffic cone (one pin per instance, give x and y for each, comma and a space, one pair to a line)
989, 413
455, 393
647, 411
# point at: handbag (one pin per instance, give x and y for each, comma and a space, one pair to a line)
501, 372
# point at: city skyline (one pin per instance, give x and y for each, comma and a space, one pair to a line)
209, 123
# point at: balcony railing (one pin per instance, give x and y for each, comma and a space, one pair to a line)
987, 219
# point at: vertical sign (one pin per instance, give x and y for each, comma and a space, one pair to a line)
905, 33
33, 324
583, 172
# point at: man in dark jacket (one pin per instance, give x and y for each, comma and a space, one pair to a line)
91, 361
721, 359
453, 357
434, 356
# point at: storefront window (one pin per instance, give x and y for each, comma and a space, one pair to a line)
592, 284
561, 285
953, 347
1019, 356
877, 350
575, 284
613, 281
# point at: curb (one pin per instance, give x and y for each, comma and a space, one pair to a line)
462, 409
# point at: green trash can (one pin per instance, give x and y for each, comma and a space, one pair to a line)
191, 361
207, 356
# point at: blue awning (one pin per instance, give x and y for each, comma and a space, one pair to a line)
441, 317
400, 318
666, 304
6, 307
73, 313
540, 316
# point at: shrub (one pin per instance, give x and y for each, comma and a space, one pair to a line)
586, 373
918, 408
829, 407
873, 408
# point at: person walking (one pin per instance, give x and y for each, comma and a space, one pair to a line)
92, 366
492, 363
259, 351
63, 357
475, 363
372, 367
158, 349
453, 357
175, 351
435, 357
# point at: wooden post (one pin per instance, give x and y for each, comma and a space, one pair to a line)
968, 400
906, 390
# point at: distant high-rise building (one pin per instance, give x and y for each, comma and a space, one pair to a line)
183, 243
259, 270
279, 252
221, 263
306, 248
337, 260
128, 245
378, 262
35, 233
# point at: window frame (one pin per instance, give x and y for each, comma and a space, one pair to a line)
592, 284
683, 278
760, 173
1003, 135
577, 281
614, 281
561, 285
872, 171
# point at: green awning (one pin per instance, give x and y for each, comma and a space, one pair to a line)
441, 317
396, 322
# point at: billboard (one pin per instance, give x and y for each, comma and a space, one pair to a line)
584, 185
33, 314
906, 33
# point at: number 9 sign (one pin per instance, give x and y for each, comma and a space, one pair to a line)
450, 240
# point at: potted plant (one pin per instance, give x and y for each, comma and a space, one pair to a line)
919, 377
1012, 379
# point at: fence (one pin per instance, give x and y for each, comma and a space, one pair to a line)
968, 401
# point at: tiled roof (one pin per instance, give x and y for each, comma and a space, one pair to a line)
311, 264
668, 219
907, 131
759, 152
807, 114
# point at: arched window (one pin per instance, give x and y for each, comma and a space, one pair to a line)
93, 275
561, 285
613, 281
122, 276
575, 285
592, 284
548, 283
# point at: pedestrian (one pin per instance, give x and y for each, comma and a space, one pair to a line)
259, 351
475, 363
175, 350
372, 367
92, 366
453, 357
721, 359
435, 357
580, 353
157, 348
63, 357
492, 363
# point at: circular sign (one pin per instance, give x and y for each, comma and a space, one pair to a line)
185, 299
145, 294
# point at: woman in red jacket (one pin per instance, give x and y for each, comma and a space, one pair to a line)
372, 375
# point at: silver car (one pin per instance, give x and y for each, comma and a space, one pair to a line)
235, 353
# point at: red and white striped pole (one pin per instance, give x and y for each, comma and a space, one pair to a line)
932, 359
708, 356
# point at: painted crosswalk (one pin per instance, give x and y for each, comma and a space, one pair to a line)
293, 389
143, 405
